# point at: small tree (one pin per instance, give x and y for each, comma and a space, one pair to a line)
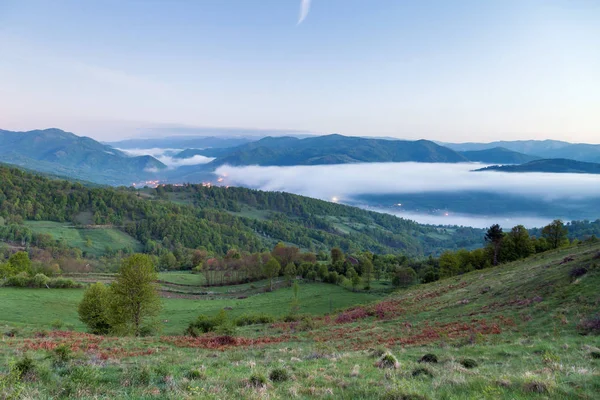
168, 260
134, 294
20, 262
323, 272
336, 255
290, 273
295, 300
555, 233
449, 264
404, 277
367, 272
94, 309
353, 277
494, 235
271, 269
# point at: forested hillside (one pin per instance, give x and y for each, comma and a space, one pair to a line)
216, 218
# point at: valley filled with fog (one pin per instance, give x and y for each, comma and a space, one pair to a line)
435, 193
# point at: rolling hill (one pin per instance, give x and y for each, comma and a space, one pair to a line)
556, 166
62, 153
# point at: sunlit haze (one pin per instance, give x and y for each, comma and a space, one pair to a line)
465, 70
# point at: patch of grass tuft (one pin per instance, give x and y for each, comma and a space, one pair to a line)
429, 358
536, 387
257, 380
279, 375
387, 361
468, 363
424, 372
397, 394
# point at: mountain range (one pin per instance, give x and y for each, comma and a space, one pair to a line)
537, 148
63, 153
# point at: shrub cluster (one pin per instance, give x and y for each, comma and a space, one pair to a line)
254, 319
220, 323
23, 280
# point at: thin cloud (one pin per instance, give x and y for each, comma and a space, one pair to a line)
304, 9
165, 156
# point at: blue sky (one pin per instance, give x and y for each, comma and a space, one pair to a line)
463, 70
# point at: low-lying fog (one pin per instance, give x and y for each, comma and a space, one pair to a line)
543, 195
165, 156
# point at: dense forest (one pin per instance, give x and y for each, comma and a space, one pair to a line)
208, 218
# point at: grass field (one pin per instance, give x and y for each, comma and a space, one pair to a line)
509, 332
38, 308
100, 238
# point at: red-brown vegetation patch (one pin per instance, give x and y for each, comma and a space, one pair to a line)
86, 343
362, 337
217, 342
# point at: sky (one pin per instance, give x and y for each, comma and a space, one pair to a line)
463, 70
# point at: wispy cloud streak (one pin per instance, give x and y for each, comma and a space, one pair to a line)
304, 9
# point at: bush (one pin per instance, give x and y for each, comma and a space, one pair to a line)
63, 283
429, 358
590, 325
404, 277
226, 329
20, 280
254, 319
25, 367
257, 380
195, 374
39, 281
12, 332
205, 324
93, 309
57, 324
468, 363
279, 375
61, 355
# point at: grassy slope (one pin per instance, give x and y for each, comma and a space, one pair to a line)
101, 238
517, 321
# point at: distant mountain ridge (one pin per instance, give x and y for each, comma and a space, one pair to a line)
55, 151
556, 165
543, 149
331, 149
498, 155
